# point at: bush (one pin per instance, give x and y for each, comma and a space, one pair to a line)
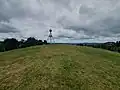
10, 44
2, 48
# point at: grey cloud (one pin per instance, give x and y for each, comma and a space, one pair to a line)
88, 19
3, 17
64, 36
88, 11
15, 9
72, 37
7, 29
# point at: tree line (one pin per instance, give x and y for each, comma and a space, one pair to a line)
12, 43
112, 46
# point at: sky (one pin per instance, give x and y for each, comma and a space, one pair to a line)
70, 20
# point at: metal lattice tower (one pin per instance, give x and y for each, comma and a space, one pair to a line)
50, 37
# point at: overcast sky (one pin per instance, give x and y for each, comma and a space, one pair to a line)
70, 20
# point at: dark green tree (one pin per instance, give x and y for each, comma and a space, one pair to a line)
45, 42
31, 41
10, 44
40, 42
2, 48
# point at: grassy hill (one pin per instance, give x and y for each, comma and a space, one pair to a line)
59, 67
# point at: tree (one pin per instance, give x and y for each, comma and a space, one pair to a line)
45, 42
2, 48
31, 41
118, 43
10, 44
119, 49
39, 42
21, 43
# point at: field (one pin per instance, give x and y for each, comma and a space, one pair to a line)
59, 67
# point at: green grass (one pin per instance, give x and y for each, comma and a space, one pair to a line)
59, 67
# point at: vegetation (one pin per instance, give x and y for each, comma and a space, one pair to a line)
10, 44
59, 67
112, 46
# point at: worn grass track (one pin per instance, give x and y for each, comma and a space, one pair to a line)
59, 67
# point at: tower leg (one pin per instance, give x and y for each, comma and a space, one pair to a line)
53, 40
50, 38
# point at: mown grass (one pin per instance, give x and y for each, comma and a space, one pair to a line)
59, 67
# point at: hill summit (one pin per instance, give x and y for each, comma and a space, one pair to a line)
59, 67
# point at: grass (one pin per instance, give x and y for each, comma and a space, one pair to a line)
59, 67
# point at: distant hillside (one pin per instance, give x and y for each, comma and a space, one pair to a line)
59, 67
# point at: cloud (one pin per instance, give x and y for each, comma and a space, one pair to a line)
7, 28
71, 20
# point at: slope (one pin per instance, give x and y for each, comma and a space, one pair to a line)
59, 67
